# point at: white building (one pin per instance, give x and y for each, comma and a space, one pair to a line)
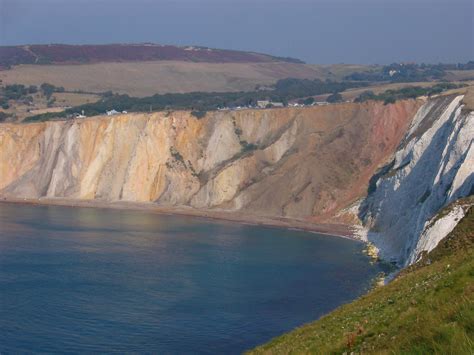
263, 103
112, 112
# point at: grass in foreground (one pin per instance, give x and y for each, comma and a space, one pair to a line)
428, 308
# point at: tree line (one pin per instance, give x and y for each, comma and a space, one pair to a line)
200, 102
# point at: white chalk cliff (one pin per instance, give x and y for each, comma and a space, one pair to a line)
432, 167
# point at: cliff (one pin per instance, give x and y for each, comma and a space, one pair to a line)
295, 162
300, 163
417, 215
432, 167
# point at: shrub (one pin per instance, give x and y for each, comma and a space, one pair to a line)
336, 97
3, 116
247, 147
177, 155
47, 89
308, 101
389, 100
366, 95
198, 114
51, 102
15, 91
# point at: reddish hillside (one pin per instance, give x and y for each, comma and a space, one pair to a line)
71, 54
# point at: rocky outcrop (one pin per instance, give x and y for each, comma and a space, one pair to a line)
432, 167
295, 162
438, 228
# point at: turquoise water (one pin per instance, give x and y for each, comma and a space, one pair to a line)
83, 280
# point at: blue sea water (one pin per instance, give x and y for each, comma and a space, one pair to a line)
103, 280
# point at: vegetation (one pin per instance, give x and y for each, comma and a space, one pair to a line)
247, 147
177, 155
200, 102
411, 92
44, 117
32, 89
403, 72
3, 116
308, 101
198, 114
333, 98
427, 309
19, 92
49, 89
73, 54
460, 66
398, 72
288, 89
365, 96
14, 92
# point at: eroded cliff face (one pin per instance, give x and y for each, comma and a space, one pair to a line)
308, 163
300, 163
433, 166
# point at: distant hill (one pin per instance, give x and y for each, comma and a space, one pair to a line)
147, 69
79, 54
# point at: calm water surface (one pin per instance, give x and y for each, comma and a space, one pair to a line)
82, 280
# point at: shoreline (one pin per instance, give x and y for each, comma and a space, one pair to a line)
335, 230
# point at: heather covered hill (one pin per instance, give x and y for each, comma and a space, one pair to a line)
74, 54
147, 69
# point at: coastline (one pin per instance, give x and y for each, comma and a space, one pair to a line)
335, 230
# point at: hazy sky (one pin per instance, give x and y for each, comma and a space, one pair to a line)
317, 31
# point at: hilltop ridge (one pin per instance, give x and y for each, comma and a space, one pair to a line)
126, 52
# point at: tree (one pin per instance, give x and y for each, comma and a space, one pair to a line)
389, 100
336, 97
47, 89
366, 95
308, 101
32, 89
3, 116
198, 114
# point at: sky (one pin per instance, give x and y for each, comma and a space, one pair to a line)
316, 31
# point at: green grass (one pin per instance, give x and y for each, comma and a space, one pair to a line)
427, 309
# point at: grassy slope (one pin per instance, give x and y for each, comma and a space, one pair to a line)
428, 308
148, 78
